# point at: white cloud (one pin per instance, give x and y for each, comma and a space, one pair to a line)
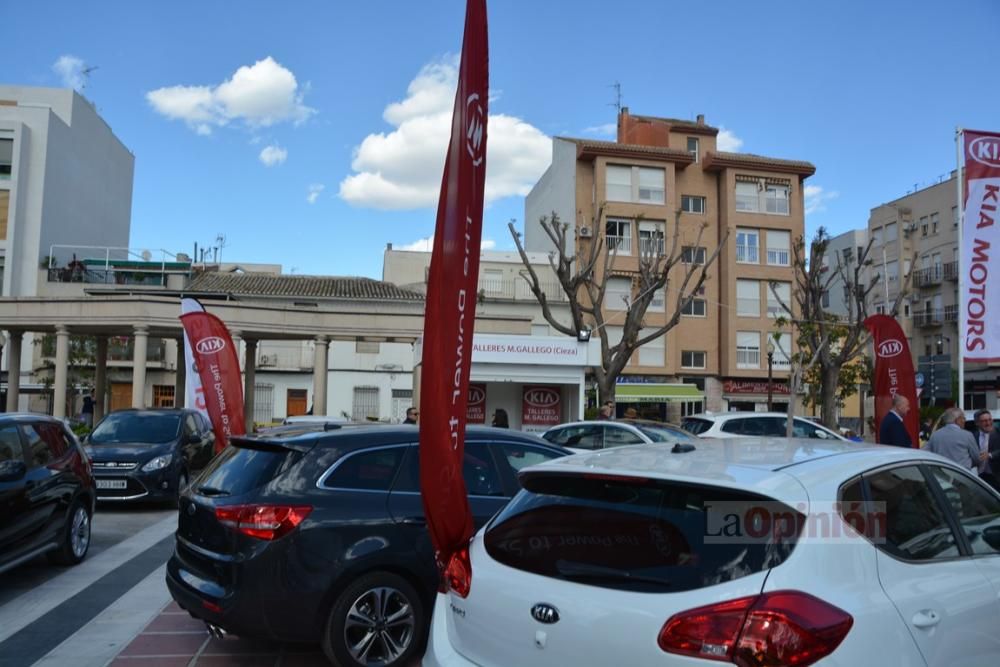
727, 141
401, 169
70, 70
273, 155
427, 245
314, 192
816, 198
259, 95
606, 130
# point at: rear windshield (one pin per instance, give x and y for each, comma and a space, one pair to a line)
637, 534
658, 433
238, 470
696, 426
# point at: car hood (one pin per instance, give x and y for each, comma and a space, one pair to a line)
127, 451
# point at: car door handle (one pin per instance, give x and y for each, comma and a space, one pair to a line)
926, 618
414, 521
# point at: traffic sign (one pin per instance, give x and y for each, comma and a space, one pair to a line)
919, 379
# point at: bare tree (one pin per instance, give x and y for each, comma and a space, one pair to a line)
661, 266
830, 347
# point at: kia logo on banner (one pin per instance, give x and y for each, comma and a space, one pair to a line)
475, 409
541, 408
985, 150
474, 132
889, 348
210, 345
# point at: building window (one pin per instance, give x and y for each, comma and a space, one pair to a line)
618, 234
781, 293
635, 184
954, 216
492, 281
694, 308
4, 206
779, 343
825, 300
650, 238
651, 354
747, 349
876, 237
890, 233
693, 147
691, 359
747, 246
692, 204
693, 255
6, 158
364, 407
923, 226
748, 298
658, 303
880, 309
777, 199
367, 347
892, 271
778, 248
163, 395
617, 293
935, 219
747, 197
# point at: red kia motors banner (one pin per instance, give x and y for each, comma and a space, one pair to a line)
541, 408
194, 392
218, 367
980, 247
475, 412
450, 312
893, 372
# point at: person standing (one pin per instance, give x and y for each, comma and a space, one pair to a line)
411, 415
500, 419
893, 431
607, 410
988, 440
952, 441
87, 412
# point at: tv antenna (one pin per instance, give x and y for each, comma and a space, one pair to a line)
85, 74
220, 243
617, 104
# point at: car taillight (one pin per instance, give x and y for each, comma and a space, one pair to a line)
779, 628
265, 522
458, 573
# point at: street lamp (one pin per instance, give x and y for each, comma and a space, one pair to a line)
583, 335
770, 379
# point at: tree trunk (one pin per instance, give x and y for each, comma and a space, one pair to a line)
829, 377
606, 384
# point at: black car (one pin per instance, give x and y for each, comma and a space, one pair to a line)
319, 535
46, 492
148, 455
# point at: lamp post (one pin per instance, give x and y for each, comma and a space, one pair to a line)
770, 379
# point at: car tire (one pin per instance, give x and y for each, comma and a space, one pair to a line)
75, 536
383, 608
182, 482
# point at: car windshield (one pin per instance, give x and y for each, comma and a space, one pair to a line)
664, 433
136, 428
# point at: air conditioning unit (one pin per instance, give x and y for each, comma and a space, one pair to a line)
268, 360
586, 232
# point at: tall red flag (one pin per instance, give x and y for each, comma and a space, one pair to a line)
451, 299
219, 369
893, 372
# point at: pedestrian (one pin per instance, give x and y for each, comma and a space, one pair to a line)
607, 410
500, 418
631, 413
926, 428
989, 448
954, 442
603, 413
411, 415
893, 428
87, 412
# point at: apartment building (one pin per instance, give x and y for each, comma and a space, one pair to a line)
922, 227
626, 194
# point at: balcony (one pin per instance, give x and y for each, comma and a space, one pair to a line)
112, 266
777, 256
651, 246
622, 244
517, 289
929, 318
747, 254
951, 313
930, 276
747, 358
951, 271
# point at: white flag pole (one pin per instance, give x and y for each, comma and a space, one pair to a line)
959, 146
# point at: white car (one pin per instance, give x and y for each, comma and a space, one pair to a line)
737, 552
759, 424
586, 436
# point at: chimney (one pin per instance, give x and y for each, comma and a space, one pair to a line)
388, 246
701, 119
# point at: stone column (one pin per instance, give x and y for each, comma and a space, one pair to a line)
320, 374
140, 345
249, 382
100, 377
180, 376
62, 373
14, 340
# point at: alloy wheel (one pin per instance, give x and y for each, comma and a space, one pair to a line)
79, 532
379, 627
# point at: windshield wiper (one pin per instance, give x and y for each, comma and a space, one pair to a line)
572, 570
212, 491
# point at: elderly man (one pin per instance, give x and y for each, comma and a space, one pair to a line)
954, 442
989, 448
893, 431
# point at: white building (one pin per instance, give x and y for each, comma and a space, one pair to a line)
844, 250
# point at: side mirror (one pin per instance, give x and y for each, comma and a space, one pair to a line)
992, 537
192, 439
11, 471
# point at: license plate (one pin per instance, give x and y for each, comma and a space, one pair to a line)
112, 484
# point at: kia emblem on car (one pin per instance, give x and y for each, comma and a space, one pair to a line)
545, 613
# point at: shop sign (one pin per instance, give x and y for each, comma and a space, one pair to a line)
475, 411
541, 408
753, 387
545, 350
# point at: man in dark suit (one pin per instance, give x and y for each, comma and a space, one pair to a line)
988, 440
893, 431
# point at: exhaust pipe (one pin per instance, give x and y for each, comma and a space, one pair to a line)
215, 631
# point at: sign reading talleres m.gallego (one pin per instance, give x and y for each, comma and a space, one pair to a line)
981, 247
541, 408
535, 350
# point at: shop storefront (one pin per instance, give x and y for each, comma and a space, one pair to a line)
658, 401
751, 395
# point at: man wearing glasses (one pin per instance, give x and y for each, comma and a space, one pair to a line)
988, 440
411, 416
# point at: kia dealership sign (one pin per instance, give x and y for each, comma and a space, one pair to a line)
541, 350
475, 410
541, 408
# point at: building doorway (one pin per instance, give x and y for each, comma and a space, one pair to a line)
297, 402
121, 396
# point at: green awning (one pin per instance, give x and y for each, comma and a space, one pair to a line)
657, 393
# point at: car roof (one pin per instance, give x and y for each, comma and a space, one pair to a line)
149, 411
741, 415
28, 416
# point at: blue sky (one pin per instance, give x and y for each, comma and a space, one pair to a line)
310, 133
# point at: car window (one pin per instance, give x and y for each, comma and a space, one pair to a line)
518, 455
10, 444
55, 438
617, 436
239, 469
915, 525
478, 471
190, 425
206, 426
803, 428
39, 453
696, 426
733, 426
369, 470
581, 436
977, 510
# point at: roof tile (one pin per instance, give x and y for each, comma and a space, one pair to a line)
322, 287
